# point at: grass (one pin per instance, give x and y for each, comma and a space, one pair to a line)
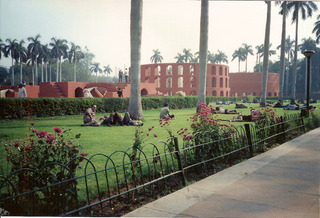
107, 139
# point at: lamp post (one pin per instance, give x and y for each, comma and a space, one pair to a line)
308, 55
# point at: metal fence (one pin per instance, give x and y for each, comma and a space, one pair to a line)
102, 182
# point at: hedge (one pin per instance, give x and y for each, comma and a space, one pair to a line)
12, 108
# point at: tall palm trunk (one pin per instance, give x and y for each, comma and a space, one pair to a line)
12, 72
49, 72
46, 67
287, 75
21, 76
282, 53
266, 57
36, 79
32, 69
135, 106
60, 70
57, 76
239, 65
295, 61
75, 72
203, 51
41, 71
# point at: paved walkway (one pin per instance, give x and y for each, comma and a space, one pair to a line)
283, 182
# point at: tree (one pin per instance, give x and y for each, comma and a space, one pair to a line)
59, 50
316, 29
203, 51
179, 58
34, 49
247, 49
22, 57
211, 57
195, 58
266, 57
75, 54
282, 51
221, 57
156, 57
259, 52
107, 69
307, 44
187, 55
135, 106
2, 46
240, 54
271, 52
12, 49
305, 8
96, 68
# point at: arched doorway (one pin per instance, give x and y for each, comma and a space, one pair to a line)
78, 92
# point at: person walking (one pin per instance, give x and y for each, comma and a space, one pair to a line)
22, 91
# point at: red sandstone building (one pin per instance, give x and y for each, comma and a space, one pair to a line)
164, 79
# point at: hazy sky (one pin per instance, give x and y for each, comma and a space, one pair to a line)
168, 25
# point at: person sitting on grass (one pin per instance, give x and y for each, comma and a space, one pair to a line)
278, 104
90, 116
164, 113
241, 106
225, 111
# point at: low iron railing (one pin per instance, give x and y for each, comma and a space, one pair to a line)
125, 179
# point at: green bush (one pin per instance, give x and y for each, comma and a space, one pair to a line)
13, 108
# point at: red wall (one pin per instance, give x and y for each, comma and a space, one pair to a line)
250, 84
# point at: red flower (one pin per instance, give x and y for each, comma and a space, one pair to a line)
42, 134
28, 147
32, 124
8, 158
50, 138
155, 135
34, 130
16, 144
84, 154
57, 130
149, 129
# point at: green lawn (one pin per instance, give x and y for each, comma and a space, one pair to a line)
104, 139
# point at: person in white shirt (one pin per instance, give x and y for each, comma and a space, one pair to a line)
22, 91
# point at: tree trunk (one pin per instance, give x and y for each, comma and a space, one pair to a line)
41, 71
36, 79
75, 72
282, 52
12, 73
46, 67
60, 70
266, 57
57, 76
294, 74
135, 106
49, 72
203, 51
21, 77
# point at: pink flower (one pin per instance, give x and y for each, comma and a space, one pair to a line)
32, 124
34, 130
155, 135
84, 154
50, 138
28, 147
149, 129
16, 144
42, 134
152, 127
57, 130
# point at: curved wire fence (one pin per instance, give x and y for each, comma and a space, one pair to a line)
126, 177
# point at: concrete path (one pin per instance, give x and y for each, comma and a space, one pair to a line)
283, 182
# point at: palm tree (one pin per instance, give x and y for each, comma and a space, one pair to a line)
266, 57
156, 57
107, 69
22, 53
203, 51
211, 57
305, 8
47, 59
240, 54
221, 57
12, 49
59, 50
316, 29
307, 44
2, 46
179, 58
195, 58
271, 52
187, 55
75, 54
135, 106
259, 52
247, 50
34, 49
282, 51
96, 68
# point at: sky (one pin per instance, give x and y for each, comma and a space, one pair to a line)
103, 26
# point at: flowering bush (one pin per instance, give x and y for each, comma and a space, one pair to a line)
41, 159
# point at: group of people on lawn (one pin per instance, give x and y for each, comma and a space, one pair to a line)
89, 118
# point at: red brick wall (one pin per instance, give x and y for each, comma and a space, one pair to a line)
250, 84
